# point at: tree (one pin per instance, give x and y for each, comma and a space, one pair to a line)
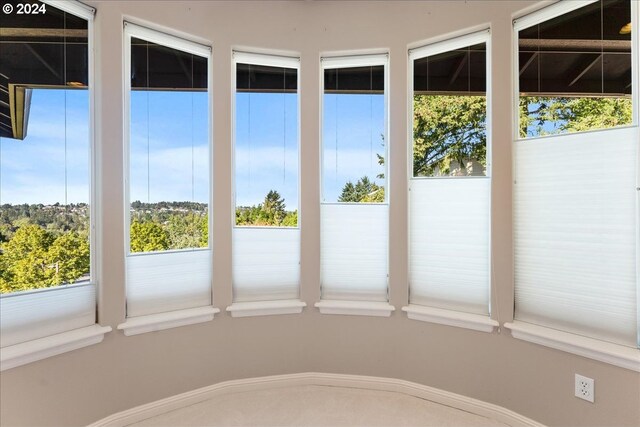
24, 260
69, 258
148, 236
553, 115
364, 190
274, 208
185, 231
447, 128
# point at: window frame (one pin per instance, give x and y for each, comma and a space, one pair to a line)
268, 60
473, 321
51, 345
593, 348
138, 324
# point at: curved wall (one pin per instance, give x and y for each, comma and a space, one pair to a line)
82, 386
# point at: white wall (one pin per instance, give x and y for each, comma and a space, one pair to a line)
82, 386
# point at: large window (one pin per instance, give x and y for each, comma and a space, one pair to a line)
574, 70
168, 262
266, 234
354, 198
575, 196
449, 182
46, 146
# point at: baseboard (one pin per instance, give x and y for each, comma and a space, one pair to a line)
432, 394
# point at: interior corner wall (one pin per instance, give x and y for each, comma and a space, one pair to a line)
82, 386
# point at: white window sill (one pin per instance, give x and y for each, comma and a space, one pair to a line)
266, 308
355, 308
171, 319
614, 354
32, 351
476, 322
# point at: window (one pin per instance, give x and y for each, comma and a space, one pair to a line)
575, 196
450, 179
266, 234
47, 279
168, 262
574, 70
354, 206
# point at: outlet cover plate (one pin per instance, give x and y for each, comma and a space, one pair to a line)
585, 388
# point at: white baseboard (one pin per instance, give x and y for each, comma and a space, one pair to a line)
432, 394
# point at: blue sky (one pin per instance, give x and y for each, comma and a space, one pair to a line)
33, 170
169, 155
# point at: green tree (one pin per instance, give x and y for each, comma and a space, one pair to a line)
364, 190
148, 236
69, 258
274, 208
25, 260
185, 231
554, 115
447, 128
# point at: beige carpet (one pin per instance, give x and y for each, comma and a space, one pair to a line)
318, 406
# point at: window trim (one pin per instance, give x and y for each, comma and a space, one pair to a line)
427, 313
52, 345
566, 341
268, 60
545, 13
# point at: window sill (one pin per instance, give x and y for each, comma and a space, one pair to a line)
172, 319
458, 319
42, 348
355, 308
613, 354
266, 308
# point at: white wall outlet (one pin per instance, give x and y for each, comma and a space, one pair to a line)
585, 388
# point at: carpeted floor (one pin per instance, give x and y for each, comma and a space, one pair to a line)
318, 406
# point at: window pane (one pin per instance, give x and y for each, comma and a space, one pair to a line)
169, 149
353, 145
449, 113
45, 151
575, 71
266, 146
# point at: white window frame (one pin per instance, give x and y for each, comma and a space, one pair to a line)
352, 60
42, 348
423, 313
614, 354
279, 60
160, 321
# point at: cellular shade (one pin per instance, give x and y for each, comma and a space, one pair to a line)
449, 243
165, 281
266, 263
29, 316
354, 258
575, 231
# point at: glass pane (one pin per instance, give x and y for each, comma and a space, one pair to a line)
575, 71
449, 114
353, 135
45, 151
169, 149
266, 146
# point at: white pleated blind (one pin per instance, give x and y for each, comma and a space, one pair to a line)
354, 251
29, 316
266, 263
449, 243
575, 219
165, 281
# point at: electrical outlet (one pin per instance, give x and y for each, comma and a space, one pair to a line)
585, 388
